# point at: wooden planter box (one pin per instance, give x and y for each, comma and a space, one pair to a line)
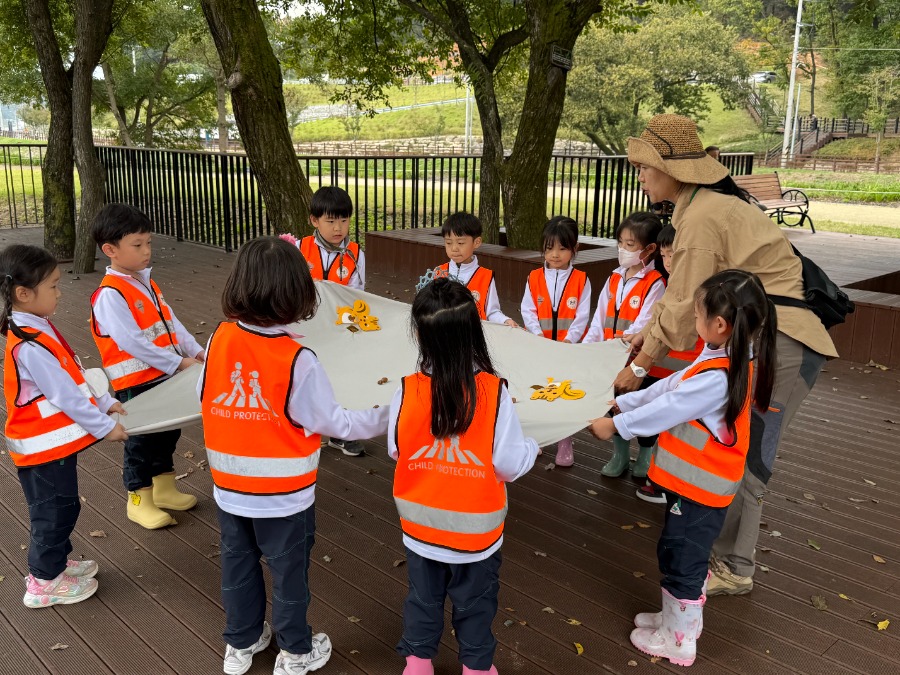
407, 254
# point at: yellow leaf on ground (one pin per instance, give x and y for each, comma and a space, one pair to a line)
573, 622
882, 625
643, 526
843, 597
879, 559
578, 648
627, 527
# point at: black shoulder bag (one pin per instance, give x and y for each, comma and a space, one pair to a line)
822, 295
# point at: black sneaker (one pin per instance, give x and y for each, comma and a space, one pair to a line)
351, 448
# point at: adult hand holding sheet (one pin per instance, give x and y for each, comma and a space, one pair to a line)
365, 368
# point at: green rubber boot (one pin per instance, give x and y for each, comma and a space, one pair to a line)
616, 466
642, 463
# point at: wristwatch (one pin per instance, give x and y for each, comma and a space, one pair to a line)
637, 370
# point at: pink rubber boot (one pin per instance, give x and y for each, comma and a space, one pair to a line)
565, 455
654, 619
417, 666
469, 671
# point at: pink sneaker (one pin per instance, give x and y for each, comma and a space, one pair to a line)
417, 666
565, 454
63, 590
87, 569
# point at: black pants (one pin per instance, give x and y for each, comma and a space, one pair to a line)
51, 491
473, 590
286, 542
146, 455
685, 544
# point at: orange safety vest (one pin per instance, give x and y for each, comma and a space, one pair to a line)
676, 361
556, 322
252, 444
154, 319
341, 268
693, 463
445, 489
618, 320
479, 285
37, 432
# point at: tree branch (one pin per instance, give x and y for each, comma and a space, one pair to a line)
113, 104
503, 44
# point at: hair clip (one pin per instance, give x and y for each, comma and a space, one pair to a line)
431, 275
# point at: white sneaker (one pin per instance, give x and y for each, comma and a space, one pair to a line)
300, 664
238, 661
82, 568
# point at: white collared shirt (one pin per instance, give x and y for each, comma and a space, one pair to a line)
41, 373
657, 290
464, 273
311, 404
358, 278
556, 281
114, 318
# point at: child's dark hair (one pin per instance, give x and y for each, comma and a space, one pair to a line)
739, 298
645, 227
666, 237
560, 230
21, 265
451, 346
269, 285
115, 221
331, 201
461, 224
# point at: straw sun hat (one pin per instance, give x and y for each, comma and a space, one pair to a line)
670, 143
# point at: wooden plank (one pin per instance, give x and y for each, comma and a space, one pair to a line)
863, 333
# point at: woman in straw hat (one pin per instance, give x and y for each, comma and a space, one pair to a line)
717, 229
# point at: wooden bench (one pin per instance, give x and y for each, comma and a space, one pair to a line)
789, 207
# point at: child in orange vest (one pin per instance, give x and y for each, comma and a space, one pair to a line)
557, 300
332, 256
52, 415
262, 441
462, 237
457, 440
141, 344
702, 414
625, 306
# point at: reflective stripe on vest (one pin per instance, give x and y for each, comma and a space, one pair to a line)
38, 432
446, 491
480, 286
618, 320
252, 445
676, 361
563, 316
692, 462
154, 320
341, 268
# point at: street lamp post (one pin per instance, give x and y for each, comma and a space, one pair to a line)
789, 113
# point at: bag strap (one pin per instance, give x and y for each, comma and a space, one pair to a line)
789, 302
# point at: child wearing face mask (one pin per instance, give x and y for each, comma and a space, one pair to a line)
624, 308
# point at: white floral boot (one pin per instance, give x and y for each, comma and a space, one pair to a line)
654, 619
676, 638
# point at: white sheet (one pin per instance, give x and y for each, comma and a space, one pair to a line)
356, 361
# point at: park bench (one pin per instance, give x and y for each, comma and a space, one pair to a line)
789, 207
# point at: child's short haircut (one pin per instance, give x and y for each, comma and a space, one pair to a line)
666, 238
560, 230
461, 224
331, 201
115, 221
645, 227
269, 285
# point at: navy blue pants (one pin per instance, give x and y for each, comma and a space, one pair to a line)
685, 544
286, 542
146, 455
51, 492
473, 589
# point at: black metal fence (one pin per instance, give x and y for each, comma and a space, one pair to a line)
213, 198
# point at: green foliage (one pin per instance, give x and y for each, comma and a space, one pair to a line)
862, 149
35, 116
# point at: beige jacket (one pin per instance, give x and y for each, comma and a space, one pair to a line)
715, 232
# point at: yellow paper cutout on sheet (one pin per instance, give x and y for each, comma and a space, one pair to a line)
554, 390
358, 315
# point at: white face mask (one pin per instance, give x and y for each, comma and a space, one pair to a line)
630, 258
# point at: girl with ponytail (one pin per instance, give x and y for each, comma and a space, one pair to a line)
702, 414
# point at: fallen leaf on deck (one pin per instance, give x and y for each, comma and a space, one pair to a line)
763, 568
632, 663
326, 558
573, 622
882, 625
872, 364
627, 527
843, 597
864, 397
509, 623
188, 455
764, 549
869, 482
541, 554
550, 467
774, 533
59, 646
879, 559
354, 651
578, 648
819, 603
509, 609
397, 563
591, 492
643, 526
22, 546
2, 577
549, 610
353, 619
98, 533
855, 500
655, 659
810, 496
639, 575
813, 544
523, 623
180, 476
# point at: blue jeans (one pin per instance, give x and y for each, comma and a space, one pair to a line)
146, 455
685, 544
51, 491
286, 542
473, 590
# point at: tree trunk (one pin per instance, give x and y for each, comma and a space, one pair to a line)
93, 24
525, 176
58, 171
124, 135
221, 110
151, 97
878, 138
491, 180
254, 79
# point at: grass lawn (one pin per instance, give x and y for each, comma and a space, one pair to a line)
840, 186
423, 93
862, 148
854, 228
442, 120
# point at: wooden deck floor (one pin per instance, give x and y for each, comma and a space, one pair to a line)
578, 546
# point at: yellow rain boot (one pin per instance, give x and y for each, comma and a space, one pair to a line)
144, 512
167, 496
